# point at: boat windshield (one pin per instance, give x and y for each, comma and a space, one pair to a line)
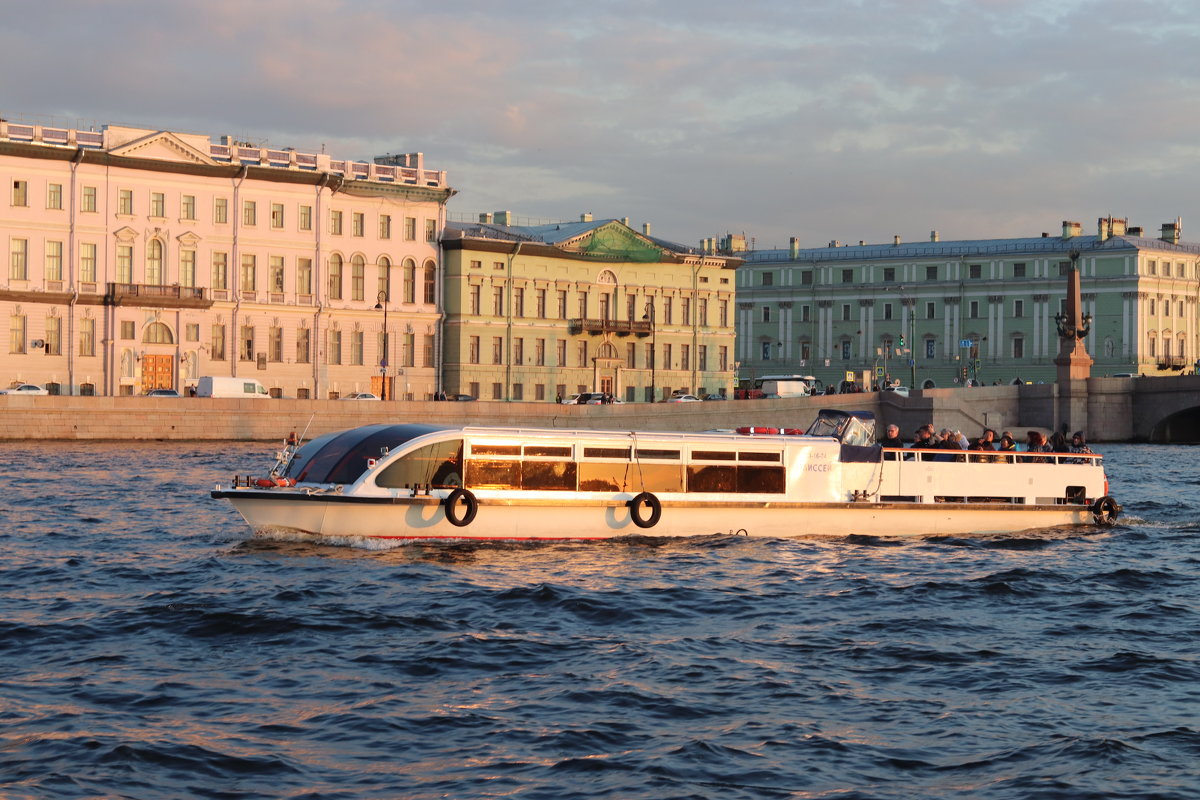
342, 457
854, 427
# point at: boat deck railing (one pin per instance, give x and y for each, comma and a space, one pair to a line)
990, 456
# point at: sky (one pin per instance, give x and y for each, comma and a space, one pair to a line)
818, 119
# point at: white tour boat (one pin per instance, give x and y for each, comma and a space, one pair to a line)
415, 481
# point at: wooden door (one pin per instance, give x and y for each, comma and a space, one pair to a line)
158, 372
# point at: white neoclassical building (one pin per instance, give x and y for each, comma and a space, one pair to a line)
142, 259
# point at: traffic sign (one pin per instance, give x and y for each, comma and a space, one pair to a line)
965, 343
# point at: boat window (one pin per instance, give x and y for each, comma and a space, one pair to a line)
713, 455
606, 452
492, 473
656, 478
603, 477
674, 454
761, 479
711, 478
547, 451
343, 457
548, 475
771, 457
483, 449
438, 464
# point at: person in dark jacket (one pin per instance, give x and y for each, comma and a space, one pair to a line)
892, 439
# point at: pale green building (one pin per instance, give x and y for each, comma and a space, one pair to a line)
542, 312
935, 313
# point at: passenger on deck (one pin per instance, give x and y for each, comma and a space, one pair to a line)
922, 437
1058, 443
892, 439
1007, 445
1078, 445
1036, 443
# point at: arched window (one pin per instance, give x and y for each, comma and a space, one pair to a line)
358, 277
154, 262
928, 384
157, 333
335, 277
430, 283
410, 281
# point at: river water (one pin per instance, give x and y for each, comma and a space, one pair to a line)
149, 648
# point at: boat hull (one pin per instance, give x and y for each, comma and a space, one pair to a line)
425, 518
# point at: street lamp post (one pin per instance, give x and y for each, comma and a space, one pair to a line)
383, 357
653, 348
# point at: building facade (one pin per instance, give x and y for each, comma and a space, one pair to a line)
542, 312
143, 259
937, 314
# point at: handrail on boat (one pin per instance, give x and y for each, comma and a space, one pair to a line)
989, 456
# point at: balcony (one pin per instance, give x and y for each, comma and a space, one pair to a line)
621, 327
153, 296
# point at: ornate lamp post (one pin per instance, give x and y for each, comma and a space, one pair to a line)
383, 357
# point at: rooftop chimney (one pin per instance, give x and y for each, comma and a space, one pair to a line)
1136, 230
503, 218
1071, 229
625, 221
585, 216
794, 248
486, 219
834, 243
1171, 231
645, 228
933, 236
896, 239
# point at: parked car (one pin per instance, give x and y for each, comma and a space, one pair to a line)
570, 400
462, 398
24, 388
715, 397
162, 393
902, 391
682, 398
361, 396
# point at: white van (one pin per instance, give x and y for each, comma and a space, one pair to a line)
224, 386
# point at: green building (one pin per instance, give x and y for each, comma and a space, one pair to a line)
543, 312
936, 314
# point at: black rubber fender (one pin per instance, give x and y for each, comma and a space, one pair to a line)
469, 503
1106, 510
647, 500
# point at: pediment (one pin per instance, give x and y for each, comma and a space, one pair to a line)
125, 234
163, 146
188, 239
615, 240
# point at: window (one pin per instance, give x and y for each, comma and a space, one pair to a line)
249, 274
539, 352
358, 278
246, 343
158, 204
518, 354
1151, 265
87, 337
473, 350
497, 301
723, 356
87, 262
582, 352
887, 310
931, 273
847, 276
124, 263
1018, 270
19, 260
54, 262
356, 348
702, 313
685, 307
540, 301
306, 218
974, 309
668, 314
304, 276
125, 201
410, 229
975, 270
275, 344
276, 215
335, 222
1018, 347
249, 212
766, 313
16, 333
127, 329
560, 352
384, 284
187, 268
221, 210
889, 274
519, 301
430, 283
187, 206
20, 193
431, 230
1018, 308
358, 224
218, 343
845, 349
562, 303
723, 313
385, 226
410, 281
845, 312
931, 310
302, 346
333, 348
806, 277
474, 300
475, 264
805, 313
220, 270
54, 336
768, 279
87, 200
497, 391
766, 351
276, 274
518, 391
335, 278
192, 332
154, 263
497, 349
702, 357
54, 196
